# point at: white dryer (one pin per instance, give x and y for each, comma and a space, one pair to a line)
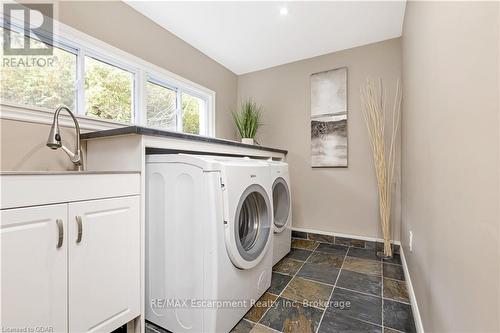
282, 209
208, 240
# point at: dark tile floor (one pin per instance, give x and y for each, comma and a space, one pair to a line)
332, 284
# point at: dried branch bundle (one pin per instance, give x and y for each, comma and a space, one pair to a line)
373, 100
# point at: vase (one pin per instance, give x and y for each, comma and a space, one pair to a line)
247, 141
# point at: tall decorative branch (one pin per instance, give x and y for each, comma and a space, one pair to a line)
373, 100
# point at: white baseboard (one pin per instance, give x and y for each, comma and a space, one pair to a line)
312, 231
413, 300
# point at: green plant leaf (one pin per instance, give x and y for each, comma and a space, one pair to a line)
247, 119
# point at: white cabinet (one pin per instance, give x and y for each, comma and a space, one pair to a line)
73, 266
104, 270
34, 266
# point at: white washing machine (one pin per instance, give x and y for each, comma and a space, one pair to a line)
208, 240
282, 209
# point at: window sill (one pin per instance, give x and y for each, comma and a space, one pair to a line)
38, 115
45, 116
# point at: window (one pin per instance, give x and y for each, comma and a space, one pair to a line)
96, 80
172, 108
193, 109
161, 106
108, 91
47, 83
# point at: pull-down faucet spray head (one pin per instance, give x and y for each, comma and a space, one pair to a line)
54, 140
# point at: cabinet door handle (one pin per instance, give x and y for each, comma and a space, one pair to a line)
80, 231
60, 230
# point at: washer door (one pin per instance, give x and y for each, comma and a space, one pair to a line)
251, 228
281, 204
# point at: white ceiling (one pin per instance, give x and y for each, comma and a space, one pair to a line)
249, 36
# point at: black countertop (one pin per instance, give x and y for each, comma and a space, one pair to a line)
170, 134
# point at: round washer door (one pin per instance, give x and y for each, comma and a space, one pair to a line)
248, 235
281, 204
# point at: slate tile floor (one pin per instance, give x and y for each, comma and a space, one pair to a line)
331, 284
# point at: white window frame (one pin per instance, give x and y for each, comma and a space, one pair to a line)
179, 90
135, 107
204, 117
167, 85
81, 44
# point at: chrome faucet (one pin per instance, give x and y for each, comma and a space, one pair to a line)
54, 140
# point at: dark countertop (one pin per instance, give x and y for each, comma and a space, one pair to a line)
170, 134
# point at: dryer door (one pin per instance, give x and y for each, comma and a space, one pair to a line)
281, 204
248, 236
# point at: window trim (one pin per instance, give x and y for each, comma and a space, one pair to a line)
81, 44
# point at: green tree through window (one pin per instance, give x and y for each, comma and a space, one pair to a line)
108, 91
161, 104
191, 114
43, 86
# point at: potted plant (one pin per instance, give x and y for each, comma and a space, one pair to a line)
247, 120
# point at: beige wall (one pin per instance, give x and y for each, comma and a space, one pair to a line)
342, 200
450, 145
119, 25
23, 147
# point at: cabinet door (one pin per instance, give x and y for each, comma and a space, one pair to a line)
104, 263
34, 269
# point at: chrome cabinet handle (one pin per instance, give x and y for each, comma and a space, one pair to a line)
60, 230
80, 231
